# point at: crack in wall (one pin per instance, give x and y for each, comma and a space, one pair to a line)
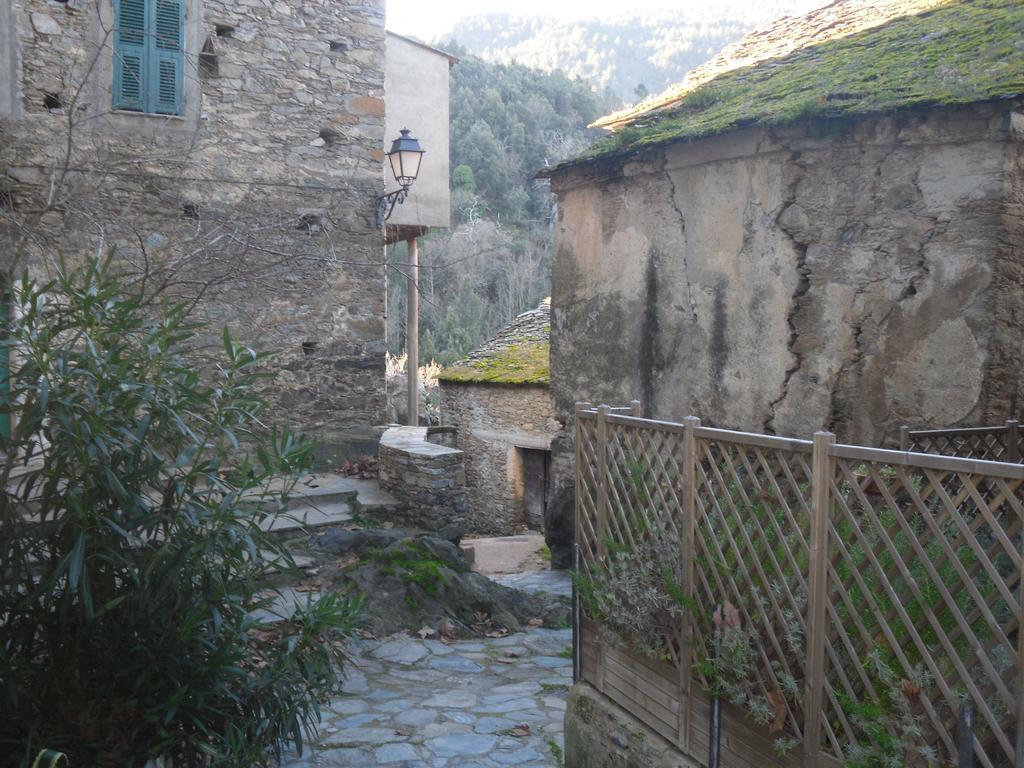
650, 362
682, 227
839, 401
803, 286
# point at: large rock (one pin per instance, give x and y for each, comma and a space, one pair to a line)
412, 580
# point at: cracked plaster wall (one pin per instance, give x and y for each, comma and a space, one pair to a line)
854, 276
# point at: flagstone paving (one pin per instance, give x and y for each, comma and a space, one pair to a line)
414, 702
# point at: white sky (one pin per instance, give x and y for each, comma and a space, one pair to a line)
426, 18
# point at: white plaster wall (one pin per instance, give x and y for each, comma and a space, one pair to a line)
416, 88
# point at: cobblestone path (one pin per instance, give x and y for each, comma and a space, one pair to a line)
411, 702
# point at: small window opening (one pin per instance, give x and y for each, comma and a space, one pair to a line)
330, 136
208, 61
311, 222
224, 30
309, 348
339, 46
52, 101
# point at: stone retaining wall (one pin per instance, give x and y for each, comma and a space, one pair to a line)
427, 477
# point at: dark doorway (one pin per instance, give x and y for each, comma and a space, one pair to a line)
535, 466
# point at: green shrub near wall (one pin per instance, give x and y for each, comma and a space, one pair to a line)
133, 554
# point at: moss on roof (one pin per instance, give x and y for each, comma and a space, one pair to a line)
517, 354
960, 52
524, 363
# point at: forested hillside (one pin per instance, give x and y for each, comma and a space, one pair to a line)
507, 122
632, 54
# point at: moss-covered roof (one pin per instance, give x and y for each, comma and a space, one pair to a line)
952, 52
518, 354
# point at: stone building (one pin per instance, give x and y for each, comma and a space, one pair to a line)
499, 403
230, 153
823, 227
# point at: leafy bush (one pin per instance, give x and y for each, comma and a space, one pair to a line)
133, 551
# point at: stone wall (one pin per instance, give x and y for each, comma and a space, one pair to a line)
492, 421
428, 477
852, 275
256, 203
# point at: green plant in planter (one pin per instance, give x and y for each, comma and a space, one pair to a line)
889, 726
133, 554
634, 593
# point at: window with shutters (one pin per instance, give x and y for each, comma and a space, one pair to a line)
148, 56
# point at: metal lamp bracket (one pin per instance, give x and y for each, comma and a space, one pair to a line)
385, 204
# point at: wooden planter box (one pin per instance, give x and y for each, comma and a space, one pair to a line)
651, 691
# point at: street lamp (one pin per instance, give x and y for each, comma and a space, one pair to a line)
405, 157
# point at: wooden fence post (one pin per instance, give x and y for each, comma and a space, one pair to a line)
904, 438
1012, 441
1020, 674
688, 539
602, 515
817, 635
602, 473
578, 527
635, 409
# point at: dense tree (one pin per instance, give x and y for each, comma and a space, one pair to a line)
507, 122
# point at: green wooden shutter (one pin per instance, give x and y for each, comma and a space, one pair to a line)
167, 72
130, 55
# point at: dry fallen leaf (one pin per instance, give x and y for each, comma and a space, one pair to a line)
535, 623
778, 702
520, 731
502, 660
732, 616
910, 689
447, 631
424, 632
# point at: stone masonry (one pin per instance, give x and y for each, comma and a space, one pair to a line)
255, 204
427, 477
495, 421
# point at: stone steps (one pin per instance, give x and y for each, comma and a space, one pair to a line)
322, 500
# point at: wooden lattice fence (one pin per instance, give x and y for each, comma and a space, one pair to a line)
1001, 443
856, 572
